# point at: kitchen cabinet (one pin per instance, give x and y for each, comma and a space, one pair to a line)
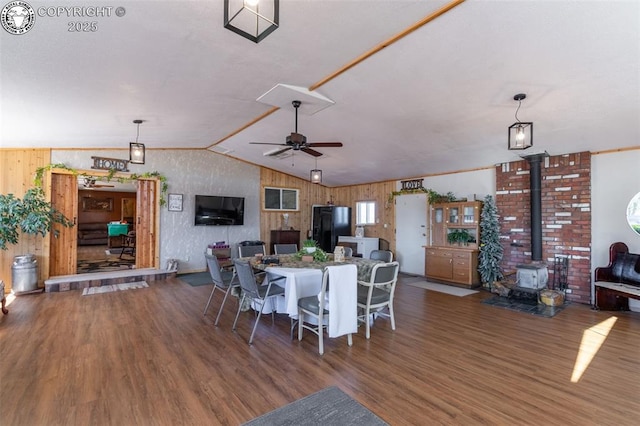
364, 245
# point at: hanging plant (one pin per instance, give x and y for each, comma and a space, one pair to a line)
164, 187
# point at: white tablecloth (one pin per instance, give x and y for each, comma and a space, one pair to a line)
299, 283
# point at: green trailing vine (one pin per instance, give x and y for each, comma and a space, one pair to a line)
111, 174
433, 196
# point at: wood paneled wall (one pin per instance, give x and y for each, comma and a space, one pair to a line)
17, 169
311, 194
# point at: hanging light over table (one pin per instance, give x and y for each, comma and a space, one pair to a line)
252, 19
316, 174
520, 133
136, 150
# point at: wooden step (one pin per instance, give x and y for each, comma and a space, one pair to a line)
80, 281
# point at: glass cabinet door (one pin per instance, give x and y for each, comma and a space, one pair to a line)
469, 215
438, 215
454, 213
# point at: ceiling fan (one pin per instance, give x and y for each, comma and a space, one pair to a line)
298, 142
91, 183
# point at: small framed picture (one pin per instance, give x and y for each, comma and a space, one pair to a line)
175, 202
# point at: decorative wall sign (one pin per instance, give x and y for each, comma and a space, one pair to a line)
175, 202
116, 164
411, 184
91, 204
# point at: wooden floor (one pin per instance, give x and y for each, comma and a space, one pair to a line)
149, 357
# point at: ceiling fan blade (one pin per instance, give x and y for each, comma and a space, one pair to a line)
278, 152
326, 144
266, 143
311, 152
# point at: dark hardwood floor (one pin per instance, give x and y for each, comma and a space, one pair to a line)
149, 357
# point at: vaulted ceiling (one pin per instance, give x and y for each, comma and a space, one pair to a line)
423, 96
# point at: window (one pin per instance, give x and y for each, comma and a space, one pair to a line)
365, 213
280, 198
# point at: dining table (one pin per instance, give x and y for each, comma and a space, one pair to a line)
303, 278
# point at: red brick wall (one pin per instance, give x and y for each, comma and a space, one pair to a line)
566, 217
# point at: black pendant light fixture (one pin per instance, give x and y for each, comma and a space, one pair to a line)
520, 133
252, 19
316, 174
136, 149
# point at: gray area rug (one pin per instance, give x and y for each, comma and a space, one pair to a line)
327, 407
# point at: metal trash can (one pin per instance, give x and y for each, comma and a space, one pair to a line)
24, 274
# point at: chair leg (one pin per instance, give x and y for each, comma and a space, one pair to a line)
392, 317
320, 337
256, 323
238, 313
300, 321
226, 294
206, 308
367, 333
350, 339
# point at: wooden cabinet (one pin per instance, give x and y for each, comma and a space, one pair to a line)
454, 265
284, 237
455, 233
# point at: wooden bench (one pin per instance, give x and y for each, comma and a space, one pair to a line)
618, 281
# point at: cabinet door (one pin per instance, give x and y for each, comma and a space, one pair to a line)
470, 213
438, 226
439, 264
453, 214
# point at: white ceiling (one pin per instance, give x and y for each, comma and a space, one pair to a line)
438, 100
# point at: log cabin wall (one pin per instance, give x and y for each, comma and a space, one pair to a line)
311, 194
17, 169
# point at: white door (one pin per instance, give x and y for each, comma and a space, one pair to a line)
411, 232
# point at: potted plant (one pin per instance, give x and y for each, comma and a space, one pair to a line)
460, 236
31, 215
309, 246
491, 250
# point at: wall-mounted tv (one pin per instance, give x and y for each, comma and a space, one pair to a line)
213, 210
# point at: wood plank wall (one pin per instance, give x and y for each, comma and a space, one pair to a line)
311, 194
17, 168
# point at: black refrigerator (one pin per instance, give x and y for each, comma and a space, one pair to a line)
329, 222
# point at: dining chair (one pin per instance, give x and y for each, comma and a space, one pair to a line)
336, 311
384, 255
258, 294
224, 280
377, 294
285, 248
129, 244
251, 248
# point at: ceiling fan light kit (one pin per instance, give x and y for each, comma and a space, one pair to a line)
252, 19
136, 149
520, 133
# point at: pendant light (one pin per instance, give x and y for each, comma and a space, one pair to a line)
520, 133
316, 174
252, 19
136, 150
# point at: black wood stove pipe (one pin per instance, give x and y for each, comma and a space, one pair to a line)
535, 183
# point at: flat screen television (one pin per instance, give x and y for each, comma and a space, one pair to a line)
213, 210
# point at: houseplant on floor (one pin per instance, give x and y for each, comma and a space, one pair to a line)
491, 250
31, 215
